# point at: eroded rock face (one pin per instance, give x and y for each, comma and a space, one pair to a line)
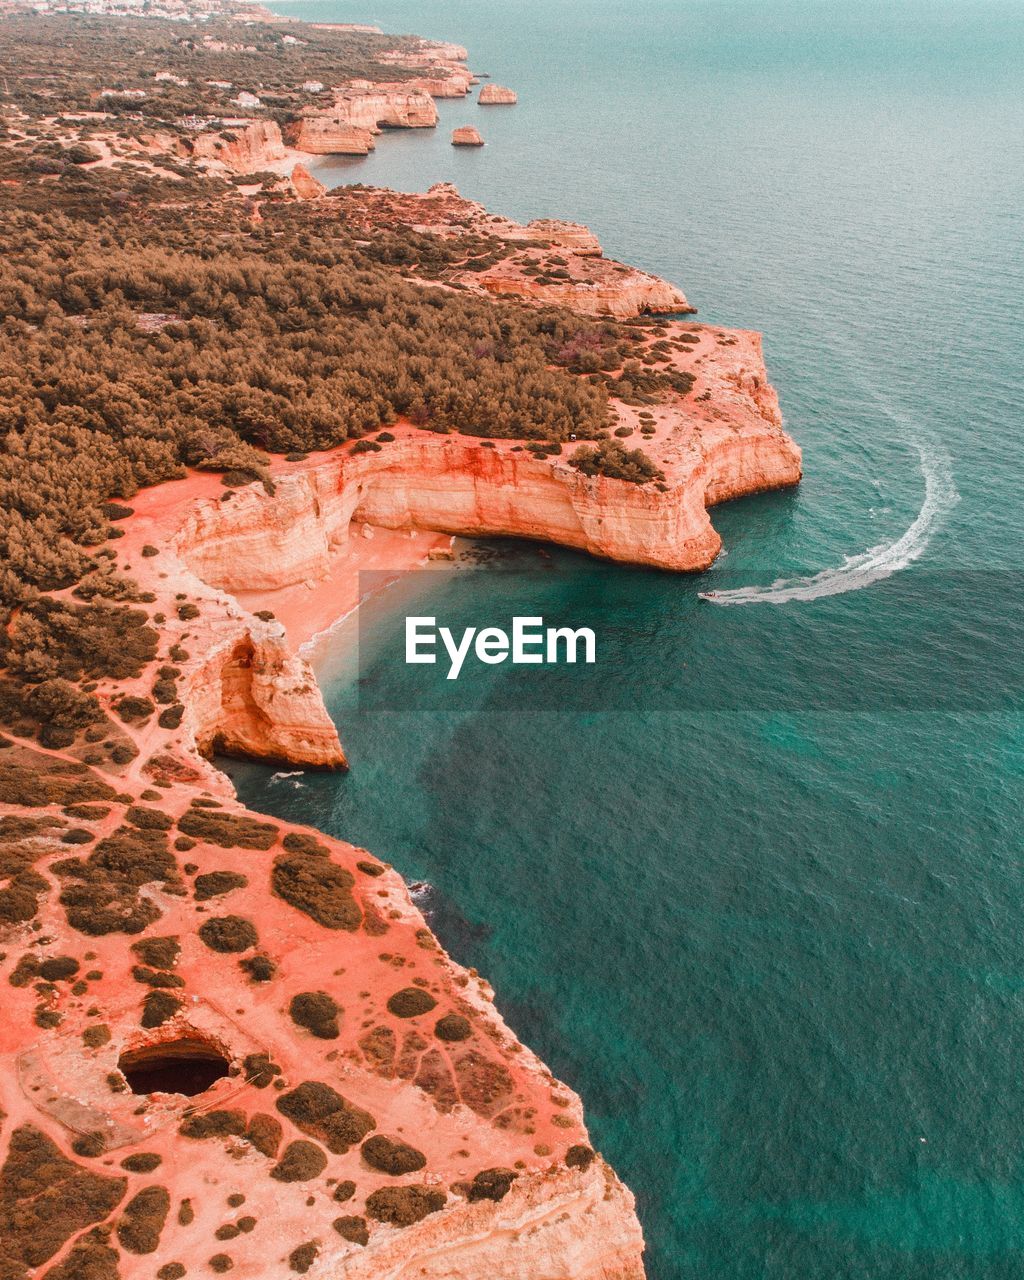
328, 134
349, 126
492, 95
240, 148
304, 185
386, 108
466, 136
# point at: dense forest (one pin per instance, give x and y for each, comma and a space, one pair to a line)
154, 318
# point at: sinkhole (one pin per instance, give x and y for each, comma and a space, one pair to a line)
187, 1066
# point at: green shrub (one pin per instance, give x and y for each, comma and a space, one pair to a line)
616, 462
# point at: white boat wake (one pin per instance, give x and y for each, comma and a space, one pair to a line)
857, 572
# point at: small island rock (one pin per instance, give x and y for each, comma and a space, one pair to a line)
497, 95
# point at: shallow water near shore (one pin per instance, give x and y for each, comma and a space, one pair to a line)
772, 934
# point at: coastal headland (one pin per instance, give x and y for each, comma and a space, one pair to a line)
232, 1043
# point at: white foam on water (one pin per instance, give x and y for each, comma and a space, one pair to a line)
879, 562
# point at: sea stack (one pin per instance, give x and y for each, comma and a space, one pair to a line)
304, 185
466, 136
497, 95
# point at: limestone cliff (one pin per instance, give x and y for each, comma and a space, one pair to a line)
377, 107
357, 115
242, 147
326, 133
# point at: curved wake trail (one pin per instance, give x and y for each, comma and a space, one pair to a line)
857, 572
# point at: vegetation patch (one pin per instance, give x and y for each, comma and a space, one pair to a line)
143, 1219
453, 1027
260, 1069
216, 883
103, 894
228, 830
213, 1124
303, 1256
45, 1199
300, 1161
228, 933
148, 819
323, 1113
580, 1156
313, 884
402, 1206
264, 1133
317, 1012
258, 968
352, 1229
160, 953
411, 1002
491, 1184
90, 1258
157, 1008
610, 458
485, 1086
388, 1155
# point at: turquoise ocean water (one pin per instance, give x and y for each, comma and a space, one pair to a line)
756, 887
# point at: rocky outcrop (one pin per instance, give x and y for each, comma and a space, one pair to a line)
618, 293
376, 108
466, 136
548, 262
252, 696
573, 236
304, 185
556, 1227
242, 147
494, 95
444, 86
236, 1041
349, 126
328, 135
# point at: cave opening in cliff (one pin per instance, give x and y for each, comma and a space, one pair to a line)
187, 1066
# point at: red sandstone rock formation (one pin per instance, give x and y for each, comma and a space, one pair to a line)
327, 134
377, 107
454, 85
466, 136
348, 127
240, 148
230, 1043
492, 95
304, 185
